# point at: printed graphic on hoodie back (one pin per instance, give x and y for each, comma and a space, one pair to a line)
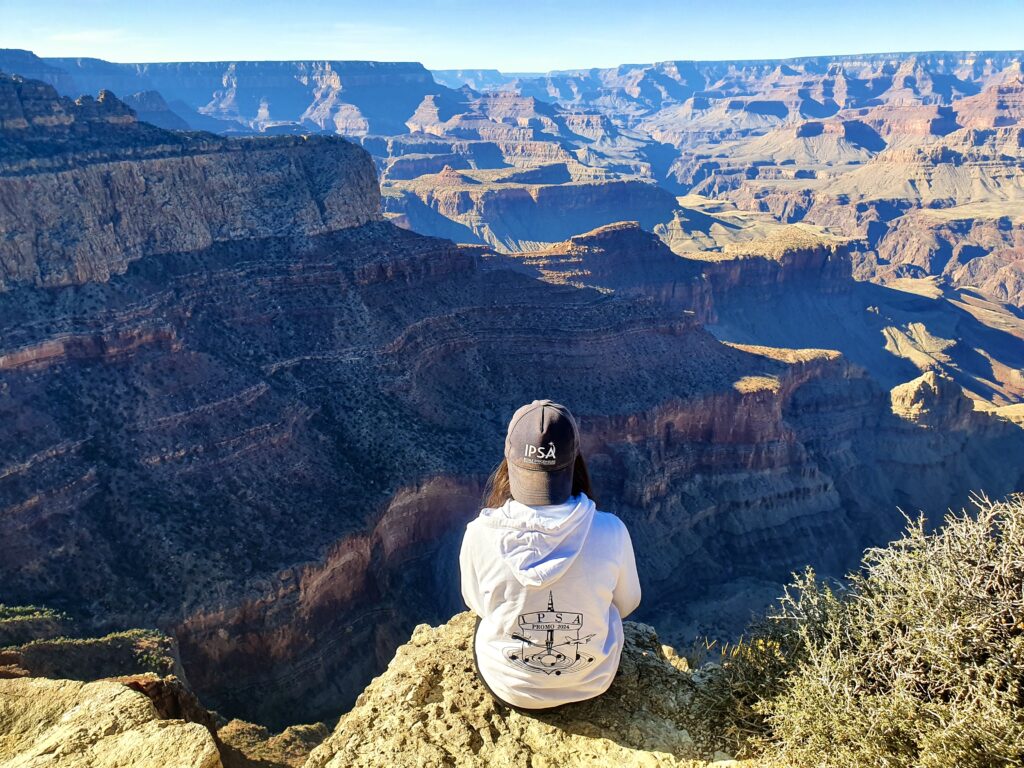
549, 641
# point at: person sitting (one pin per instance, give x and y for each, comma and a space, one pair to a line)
549, 577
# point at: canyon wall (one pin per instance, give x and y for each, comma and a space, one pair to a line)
110, 190
348, 97
267, 442
859, 144
514, 216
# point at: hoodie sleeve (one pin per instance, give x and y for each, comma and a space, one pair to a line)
627, 589
470, 582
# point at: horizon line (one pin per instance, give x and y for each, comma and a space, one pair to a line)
1018, 51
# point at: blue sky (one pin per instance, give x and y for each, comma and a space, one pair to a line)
529, 35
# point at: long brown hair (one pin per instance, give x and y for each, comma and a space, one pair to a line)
498, 491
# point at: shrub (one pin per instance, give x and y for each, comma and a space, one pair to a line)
918, 661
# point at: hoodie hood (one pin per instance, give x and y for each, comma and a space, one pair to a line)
540, 543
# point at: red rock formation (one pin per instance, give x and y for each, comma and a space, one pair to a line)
999, 106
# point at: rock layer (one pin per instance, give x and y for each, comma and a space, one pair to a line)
72, 214
511, 215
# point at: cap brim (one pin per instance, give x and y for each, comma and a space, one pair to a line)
536, 487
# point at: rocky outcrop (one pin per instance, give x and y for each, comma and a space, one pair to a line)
624, 258
140, 661
430, 708
172, 699
245, 745
91, 658
150, 107
779, 262
998, 106
72, 215
513, 216
94, 725
933, 400
974, 245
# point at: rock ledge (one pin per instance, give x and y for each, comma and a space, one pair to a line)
429, 709
103, 724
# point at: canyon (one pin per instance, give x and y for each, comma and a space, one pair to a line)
250, 395
915, 156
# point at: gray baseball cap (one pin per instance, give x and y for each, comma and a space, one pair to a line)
541, 447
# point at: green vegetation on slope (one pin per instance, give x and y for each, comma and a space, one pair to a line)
27, 613
918, 661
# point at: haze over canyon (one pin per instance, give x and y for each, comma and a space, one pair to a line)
263, 324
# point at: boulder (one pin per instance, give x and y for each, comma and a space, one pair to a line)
70, 724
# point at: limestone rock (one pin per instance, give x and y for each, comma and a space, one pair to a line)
67, 724
430, 709
933, 400
246, 745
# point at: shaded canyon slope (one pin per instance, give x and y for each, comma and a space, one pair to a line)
243, 408
792, 286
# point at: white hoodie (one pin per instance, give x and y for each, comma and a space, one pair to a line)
550, 585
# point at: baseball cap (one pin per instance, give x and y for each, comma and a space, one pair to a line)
541, 447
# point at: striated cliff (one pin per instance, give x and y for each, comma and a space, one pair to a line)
85, 189
676, 97
517, 212
931, 184
346, 97
979, 245
625, 259
918, 155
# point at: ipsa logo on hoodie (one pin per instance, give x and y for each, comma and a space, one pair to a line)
539, 454
550, 641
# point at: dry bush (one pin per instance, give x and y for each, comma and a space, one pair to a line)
919, 661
